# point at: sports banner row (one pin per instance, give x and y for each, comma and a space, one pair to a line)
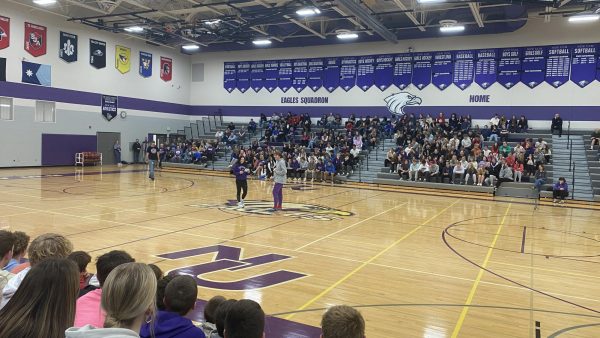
35, 44
508, 66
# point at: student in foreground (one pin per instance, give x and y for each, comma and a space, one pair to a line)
342, 321
44, 303
128, 297
180, 299
245, 319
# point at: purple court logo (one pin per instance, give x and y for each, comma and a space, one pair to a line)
297, 210
397, 102
230, 259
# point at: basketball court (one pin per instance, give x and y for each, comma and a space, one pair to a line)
415, 265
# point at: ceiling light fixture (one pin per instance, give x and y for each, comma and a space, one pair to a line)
584, 18
347, 35
190, 47
429, 1
262, 42
44, 2
308, 11
213, 22
450, 26
134, 29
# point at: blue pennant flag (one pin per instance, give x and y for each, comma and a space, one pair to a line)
36, 73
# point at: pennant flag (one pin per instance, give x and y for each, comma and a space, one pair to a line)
97, 54
67, 48
145, 64
36, 73
2, 69
35, 39
123, 59
166, 69
4, 32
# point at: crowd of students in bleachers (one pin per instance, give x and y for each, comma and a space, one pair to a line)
52, 295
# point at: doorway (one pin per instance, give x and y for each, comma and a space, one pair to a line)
106, 142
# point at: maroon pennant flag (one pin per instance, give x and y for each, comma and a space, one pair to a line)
166, 69
4, 32
35, 39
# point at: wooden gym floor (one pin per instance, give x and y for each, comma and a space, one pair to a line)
415, 265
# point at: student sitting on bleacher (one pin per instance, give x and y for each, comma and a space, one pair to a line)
560, 191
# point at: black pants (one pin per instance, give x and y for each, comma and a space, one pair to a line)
559, 128
242, 187
503, 180
560, 194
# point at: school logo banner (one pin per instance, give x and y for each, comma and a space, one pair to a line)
109, 106
67, 48
123, 59
35, 39
4, 32
145, 64
97, 54
166, 69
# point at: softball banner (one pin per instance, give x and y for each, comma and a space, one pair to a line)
123, 59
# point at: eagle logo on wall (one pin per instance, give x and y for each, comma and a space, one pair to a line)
397, 102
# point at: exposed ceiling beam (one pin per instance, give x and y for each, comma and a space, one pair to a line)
360, 12
115, 6
476, 14
351, 19
548, 17
411, 16
305, 27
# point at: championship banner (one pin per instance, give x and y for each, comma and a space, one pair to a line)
534, 66
442, 69
271, 73
558, 65
109, 106
331, 74
145, 64
284, 80
166, 69
583, 64
299, 74
4, 32
123, 59
97, 54
67, 47
509, 67
257, 75
403, 70
230, 76
35, 73
464, 69
421, 73
315, 74
365, 73
485, 68
35, 39
348, 73
384, 71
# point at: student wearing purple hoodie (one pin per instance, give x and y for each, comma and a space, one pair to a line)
560, 190
240, 170
180, 299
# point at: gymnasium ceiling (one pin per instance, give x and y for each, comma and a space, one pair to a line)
174, 23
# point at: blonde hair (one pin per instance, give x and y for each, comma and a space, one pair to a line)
128, 292
49, 246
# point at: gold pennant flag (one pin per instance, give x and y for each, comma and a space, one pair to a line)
123, 59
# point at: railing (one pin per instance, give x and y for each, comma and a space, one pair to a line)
568, 132
573, 183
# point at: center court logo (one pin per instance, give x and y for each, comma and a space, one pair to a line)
296, 210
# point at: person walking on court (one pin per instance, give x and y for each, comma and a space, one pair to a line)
117, 151
241, 174
557, 124
151, 158
280, 177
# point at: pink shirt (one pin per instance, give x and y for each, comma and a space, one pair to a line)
88, 310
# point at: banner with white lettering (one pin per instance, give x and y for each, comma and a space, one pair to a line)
534, 66
257, 75
331, 74
348, 73
384, 71
315, 74
285, 75
583, 64
300, 75
464, 68
485, 68
271, 74
229, 77
242, 82
421, 73
558, 65
441, 70
509, 67
403, 71
365, 77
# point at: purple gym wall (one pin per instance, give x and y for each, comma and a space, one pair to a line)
60, 149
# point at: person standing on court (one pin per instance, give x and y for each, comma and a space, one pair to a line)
280, 177
557, 124
152, 159
117, 151
137, 147
241, 174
